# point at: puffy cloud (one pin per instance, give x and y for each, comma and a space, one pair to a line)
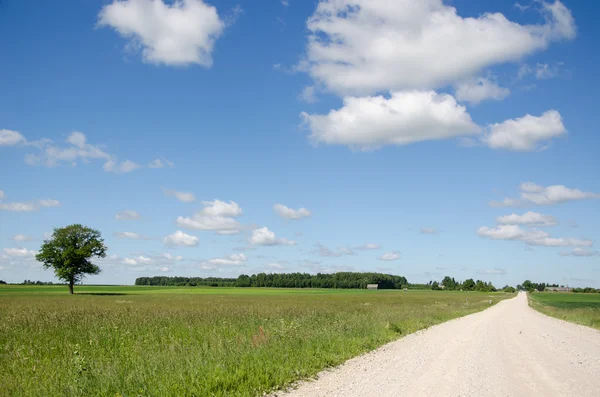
221, 208
10, 138
130, 236
322, 250
19, 252
120, 168
48, 203
127, 215
179, 33
390, 256
27, 207
534, 237
186, 197
532, 193
403, 118
526, 133
263, 236
580, 252
160, 163
170, 257
428, 230
477, 90
230, 260
220, 224
529, 218
77, 149
181, 239
290, 213
21, 237
130, 262
365, 46
368, 246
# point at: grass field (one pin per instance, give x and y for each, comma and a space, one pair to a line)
575, 307
170, 341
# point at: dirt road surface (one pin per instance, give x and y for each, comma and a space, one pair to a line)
506, 350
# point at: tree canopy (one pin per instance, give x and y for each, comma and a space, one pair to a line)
69, 251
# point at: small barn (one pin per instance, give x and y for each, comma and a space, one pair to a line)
372, 286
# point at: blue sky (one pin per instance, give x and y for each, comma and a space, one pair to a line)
421, 139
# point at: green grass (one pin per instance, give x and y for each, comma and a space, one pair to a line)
161, 341
574, 307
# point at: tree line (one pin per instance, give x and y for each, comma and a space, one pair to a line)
349, 280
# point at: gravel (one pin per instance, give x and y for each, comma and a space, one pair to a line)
506, 350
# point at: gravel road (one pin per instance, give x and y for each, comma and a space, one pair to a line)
506, 350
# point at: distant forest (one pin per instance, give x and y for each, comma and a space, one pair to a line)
286, 280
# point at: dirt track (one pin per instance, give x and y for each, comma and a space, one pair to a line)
506, 350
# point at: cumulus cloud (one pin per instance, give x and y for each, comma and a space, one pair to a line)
532, 193
390, 256
526, 133
221, 208
186, 197
19, 252
263, 236
11, 138
290, 213
120, 167
127, 215
477, 90
216, 216
428, 230
181, 239
529, 218
21, 237
580, 252
27, 206
176, 34
130, 236
368, 246
530, 237
230, 260
368, 123
322, 250
360, 47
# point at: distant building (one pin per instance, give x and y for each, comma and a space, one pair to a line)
558, 289
372, 286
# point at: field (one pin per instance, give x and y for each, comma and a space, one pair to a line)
170, 341
578, 308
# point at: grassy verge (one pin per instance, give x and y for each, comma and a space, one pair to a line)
199, 341
578, 308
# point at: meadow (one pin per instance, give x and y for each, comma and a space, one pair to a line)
178, 341
578, 308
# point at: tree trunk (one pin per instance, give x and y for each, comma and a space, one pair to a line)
71, 287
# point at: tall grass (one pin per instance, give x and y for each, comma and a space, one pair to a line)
578, 308
205, 343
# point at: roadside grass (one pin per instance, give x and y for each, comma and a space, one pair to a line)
161, 341
578, 308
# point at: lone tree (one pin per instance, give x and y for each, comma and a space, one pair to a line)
69, 251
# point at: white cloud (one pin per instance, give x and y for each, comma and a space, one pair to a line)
10, 138
172, 258
494, 271
180, 33
48, 203
221, 208
120, 168
532, 193
274, 266
525, 133
19, 252
368, 246
285, 3
21, 237
164, 269
476, 90
534, 237
161, 163
220, 224
524, 70
130, 236
580, 252
29, 206
128, 215
263, 236
2, 195
322, 250
403, 118
186, 197
545, 71
529, 218
308, 94
230, 260
390, 256
366, 46
181, 239
290, 213
130, 261
428, 230
78, 149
